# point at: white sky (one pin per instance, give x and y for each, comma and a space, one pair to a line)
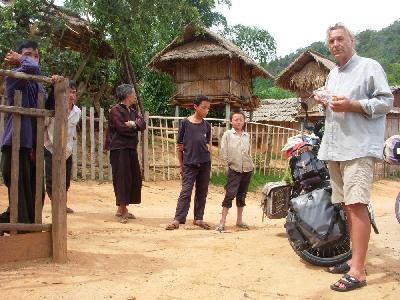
296, 24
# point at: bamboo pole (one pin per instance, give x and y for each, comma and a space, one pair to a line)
92, 146
146, 171
24, 76
153, 146
84, 143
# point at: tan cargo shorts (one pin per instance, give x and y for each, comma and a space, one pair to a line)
351, 180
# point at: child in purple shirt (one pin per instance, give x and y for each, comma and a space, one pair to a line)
195, 164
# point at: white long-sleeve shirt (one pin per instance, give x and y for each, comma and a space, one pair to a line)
350, 135
73, 119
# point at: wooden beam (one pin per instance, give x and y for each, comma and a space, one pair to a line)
20, 75
59, 205
39, 162
24, 227
33, 112
25, 247
16, 128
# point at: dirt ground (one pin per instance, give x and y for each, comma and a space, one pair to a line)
141, 260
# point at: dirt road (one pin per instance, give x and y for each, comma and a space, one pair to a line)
141, 260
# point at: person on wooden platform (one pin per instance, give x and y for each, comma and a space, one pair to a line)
74, 114
122, 139
26, 60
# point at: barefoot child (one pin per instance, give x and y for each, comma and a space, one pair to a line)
235, 155
195, 163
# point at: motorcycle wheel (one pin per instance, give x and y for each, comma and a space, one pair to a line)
326, 256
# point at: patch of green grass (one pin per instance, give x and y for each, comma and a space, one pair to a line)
257, 180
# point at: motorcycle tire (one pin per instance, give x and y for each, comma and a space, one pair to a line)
326, 256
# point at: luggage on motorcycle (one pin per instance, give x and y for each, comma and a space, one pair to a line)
275, 199
306, 168
319, 221
295, 236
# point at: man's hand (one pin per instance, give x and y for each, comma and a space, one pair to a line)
344, 104
319, 100
13, 58
179, 147
56, 78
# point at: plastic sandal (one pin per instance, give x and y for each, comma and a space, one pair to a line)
220, 227
350, 283
172, 226
339, 269
243, 226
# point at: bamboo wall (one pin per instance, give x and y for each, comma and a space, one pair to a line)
217, 78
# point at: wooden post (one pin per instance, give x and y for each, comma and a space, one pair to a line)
100, 149
176, 111
2, 101
16, 127
59, 205
92, 145
39, 161
146, 168
227, 114
84, 143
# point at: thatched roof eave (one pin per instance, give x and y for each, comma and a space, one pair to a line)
226, 49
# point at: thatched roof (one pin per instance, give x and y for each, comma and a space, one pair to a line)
205, 45
277, 110
306, 73
72, 32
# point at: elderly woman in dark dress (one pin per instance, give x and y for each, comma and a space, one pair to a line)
122, 138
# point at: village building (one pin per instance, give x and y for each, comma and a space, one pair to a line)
206, 63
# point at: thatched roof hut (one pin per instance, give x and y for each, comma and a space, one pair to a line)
305, 74
206, 63
72, 32
279, 112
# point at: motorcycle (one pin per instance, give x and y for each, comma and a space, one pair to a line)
309, 194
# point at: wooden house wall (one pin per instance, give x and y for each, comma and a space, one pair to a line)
211, 77
392, 125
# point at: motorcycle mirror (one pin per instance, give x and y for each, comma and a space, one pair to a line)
304, 106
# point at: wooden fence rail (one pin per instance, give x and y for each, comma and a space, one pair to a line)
160, 160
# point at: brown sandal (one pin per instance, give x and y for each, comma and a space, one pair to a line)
202, 224
172, 226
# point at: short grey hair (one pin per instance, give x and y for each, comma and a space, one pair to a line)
340, 26
124, 90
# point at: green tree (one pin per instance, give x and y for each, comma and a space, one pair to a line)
258, 43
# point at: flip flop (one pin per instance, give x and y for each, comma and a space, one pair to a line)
123, 220
243, 226
220, 227
130, 216
172, 226
350, 283
339, 269
202, 224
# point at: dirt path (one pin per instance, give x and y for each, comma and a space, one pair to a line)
141, 260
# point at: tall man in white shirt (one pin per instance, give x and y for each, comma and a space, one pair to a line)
74, 114
353, 141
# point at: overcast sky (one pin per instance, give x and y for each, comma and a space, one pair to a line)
295, 24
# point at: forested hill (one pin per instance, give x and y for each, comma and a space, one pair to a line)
383, 46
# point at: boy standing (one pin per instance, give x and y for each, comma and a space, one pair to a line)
195, 164
235, 155
74, 114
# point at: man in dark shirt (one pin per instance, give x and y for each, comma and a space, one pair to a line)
26, 60
195, 163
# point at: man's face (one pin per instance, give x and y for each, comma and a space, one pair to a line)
340, 45
72, 96
202, 109
34, 53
